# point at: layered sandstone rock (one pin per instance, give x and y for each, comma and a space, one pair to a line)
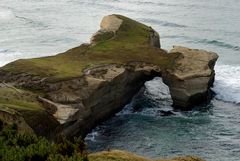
191, 77
88, 84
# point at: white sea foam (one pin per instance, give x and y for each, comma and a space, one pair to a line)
159, 93
157, 89
7, 56
92, 136
227, 83
6, 14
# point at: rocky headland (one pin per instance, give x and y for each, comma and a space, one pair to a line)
70, 93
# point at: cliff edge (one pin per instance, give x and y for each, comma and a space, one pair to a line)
85, 85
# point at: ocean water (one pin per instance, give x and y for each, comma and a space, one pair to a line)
33, 28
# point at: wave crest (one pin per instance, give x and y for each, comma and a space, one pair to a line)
220, 44
227, 83
162, 23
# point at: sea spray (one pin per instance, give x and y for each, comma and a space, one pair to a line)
227, 86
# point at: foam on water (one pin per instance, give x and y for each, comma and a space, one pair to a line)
227, 83
91, 136
6, 14
154, 93
8, 56
156, 89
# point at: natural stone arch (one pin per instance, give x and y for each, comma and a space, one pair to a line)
87, 84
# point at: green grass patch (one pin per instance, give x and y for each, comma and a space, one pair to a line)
130, 43
25, 100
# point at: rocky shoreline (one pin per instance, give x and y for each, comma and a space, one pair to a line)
70, 93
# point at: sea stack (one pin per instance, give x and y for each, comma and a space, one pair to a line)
191, 77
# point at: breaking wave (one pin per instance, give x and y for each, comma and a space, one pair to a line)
227, 83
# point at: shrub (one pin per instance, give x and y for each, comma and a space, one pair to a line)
29, 147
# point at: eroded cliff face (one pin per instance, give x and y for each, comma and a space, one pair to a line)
191, 77
87, 84
107, 90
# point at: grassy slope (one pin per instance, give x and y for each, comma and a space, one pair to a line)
24, 100
131, 43
117, 155
25, 104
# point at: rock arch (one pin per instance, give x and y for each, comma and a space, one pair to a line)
87, 84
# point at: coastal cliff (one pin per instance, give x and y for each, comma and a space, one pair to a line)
83, 86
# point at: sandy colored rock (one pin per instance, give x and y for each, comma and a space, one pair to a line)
191, 77
88, 84
111, 23
193, 63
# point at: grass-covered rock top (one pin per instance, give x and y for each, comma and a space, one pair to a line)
131, 42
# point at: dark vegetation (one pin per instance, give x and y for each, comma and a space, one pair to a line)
16, 146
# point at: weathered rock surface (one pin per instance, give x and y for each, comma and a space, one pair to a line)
87, 84
192, 76
109, 26
107, 90
111, 23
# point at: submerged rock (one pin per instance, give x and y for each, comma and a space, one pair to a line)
88, 84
